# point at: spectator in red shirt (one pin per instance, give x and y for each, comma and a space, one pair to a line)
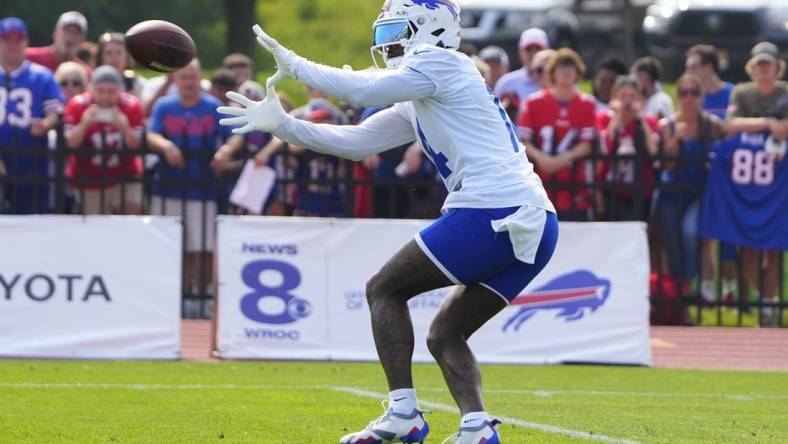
103, 123
70, 31
557, 126
629, 138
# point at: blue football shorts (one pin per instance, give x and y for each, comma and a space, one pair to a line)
464, 246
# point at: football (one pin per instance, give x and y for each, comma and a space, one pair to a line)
160, 46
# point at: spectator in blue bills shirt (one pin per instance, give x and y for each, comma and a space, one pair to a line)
31, 102
703, 62
185, 129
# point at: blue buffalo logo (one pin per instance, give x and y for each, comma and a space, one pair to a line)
574, 295
435, 4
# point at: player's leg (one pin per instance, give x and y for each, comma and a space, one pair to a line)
408, 273
462, 313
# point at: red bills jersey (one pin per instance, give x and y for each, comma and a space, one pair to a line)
622, 143
555, 128
99, 165
45, 57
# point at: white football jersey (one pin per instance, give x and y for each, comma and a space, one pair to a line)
442, 102
469, 137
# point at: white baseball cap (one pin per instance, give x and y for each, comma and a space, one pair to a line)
494, 53
72, 18
534, 36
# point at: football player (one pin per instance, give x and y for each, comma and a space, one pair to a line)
498, 229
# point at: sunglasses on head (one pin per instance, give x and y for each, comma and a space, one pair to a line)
695, 92
65, 83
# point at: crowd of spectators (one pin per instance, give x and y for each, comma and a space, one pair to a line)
131, 145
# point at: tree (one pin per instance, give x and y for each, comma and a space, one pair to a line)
240, 17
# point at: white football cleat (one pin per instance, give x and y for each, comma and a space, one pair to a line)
487, 433
392, 427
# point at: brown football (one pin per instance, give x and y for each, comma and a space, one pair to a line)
159, 45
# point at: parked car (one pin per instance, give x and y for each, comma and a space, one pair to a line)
592, 27
732, 26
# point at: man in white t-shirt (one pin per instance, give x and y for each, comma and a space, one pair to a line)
519, 82
658, 102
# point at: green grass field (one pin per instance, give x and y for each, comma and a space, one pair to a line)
265, 402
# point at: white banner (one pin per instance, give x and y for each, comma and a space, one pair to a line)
95, 287
293, 288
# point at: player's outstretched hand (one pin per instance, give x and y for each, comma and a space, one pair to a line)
264, 115
283, 56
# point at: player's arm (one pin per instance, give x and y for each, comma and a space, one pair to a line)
383, 131
367, 88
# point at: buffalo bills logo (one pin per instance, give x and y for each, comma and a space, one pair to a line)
435, 4
574, 294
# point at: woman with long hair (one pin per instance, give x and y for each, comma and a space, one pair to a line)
687, 137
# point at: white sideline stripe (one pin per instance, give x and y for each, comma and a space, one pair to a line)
508, 420
601, 393
538, 393
131, 386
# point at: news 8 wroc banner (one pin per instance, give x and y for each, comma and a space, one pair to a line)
95, 287
293, 288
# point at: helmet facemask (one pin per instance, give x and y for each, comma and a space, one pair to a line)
390, 39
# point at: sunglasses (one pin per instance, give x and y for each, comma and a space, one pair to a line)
74, 83
695, 92
533, 48
538, 70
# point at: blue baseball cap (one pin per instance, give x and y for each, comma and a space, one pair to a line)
13, 25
